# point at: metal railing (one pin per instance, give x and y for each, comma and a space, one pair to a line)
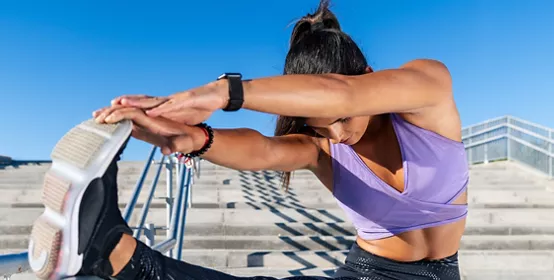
13, 263
510, 138
176, 207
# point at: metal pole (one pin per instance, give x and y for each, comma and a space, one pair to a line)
486, 147
14, 263
183, 215
175, 218
131, 205
508, 145
486, 152
169, 199
150, 234
189, 189
470, 150
146, 206
550, 174
178, 165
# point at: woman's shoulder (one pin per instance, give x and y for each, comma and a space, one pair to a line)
445, 123
443, 119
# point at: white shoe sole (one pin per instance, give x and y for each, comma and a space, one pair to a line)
82, 155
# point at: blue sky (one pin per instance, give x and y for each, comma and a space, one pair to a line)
60, 60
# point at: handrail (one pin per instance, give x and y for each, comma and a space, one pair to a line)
492, 128
518, 133
525, 143
522, 142
531, 123
486, 121
16, 263
508, 118
485, 141
507, 134
13, 263
480, 132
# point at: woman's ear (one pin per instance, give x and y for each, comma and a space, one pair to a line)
368, 69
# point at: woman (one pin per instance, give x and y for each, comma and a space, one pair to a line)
387, 144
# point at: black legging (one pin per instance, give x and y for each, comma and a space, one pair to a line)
148, 264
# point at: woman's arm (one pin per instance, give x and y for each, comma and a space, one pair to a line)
414, 87
247, 149
421, 90
243, 149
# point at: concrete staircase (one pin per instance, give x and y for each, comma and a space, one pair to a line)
242, 223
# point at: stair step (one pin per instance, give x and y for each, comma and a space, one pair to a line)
242, 222
251, 197
497, 217
302, 229
330, 243
507, 275
279, 272
487, 262
469, 259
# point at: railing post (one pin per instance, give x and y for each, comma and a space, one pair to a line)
508, 144
198, 166
470, 150
146, 206
550, 175
486, 153
150, 234
138, 187
189, 190
179, 204
169, 198
181, 225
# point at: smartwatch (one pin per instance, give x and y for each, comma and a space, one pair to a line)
236, 91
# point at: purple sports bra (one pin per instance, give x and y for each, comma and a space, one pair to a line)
436, 172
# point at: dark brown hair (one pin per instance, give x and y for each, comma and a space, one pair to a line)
318, 46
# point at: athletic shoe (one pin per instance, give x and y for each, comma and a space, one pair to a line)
81, 223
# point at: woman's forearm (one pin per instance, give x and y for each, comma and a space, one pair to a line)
299, 95
247, 149
241, 149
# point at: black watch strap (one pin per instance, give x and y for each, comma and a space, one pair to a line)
236, 91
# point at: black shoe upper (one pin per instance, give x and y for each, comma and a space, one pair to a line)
101, 224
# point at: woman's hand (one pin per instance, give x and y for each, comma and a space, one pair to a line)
169, 135
189, 107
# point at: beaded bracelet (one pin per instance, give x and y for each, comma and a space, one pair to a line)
208, 131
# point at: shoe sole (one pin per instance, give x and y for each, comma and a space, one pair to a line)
81, 155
